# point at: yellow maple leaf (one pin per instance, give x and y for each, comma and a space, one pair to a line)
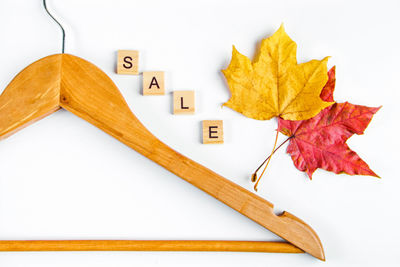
274, 84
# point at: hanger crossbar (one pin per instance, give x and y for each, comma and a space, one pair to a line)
148, 245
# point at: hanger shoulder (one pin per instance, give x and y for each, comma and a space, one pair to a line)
31, 95
90, 94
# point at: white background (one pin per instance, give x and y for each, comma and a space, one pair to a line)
62, 178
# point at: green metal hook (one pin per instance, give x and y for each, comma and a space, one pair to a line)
59, 24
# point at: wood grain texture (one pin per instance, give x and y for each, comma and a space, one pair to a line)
147, 245
31, 95
153, 83
90, 94
213, 132
128, 62
184, 102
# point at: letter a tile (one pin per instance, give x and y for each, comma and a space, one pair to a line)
153, 83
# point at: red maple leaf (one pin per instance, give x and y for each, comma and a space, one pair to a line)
320, 142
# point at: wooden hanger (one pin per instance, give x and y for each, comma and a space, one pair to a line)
69, 82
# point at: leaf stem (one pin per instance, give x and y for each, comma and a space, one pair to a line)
254, 176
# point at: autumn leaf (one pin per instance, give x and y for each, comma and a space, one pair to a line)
327, 91
320, 142
274, 85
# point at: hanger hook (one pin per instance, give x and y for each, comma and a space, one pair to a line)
59, 24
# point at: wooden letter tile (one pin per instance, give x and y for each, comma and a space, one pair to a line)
213, 132
153, 83
128, 62
184, 102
